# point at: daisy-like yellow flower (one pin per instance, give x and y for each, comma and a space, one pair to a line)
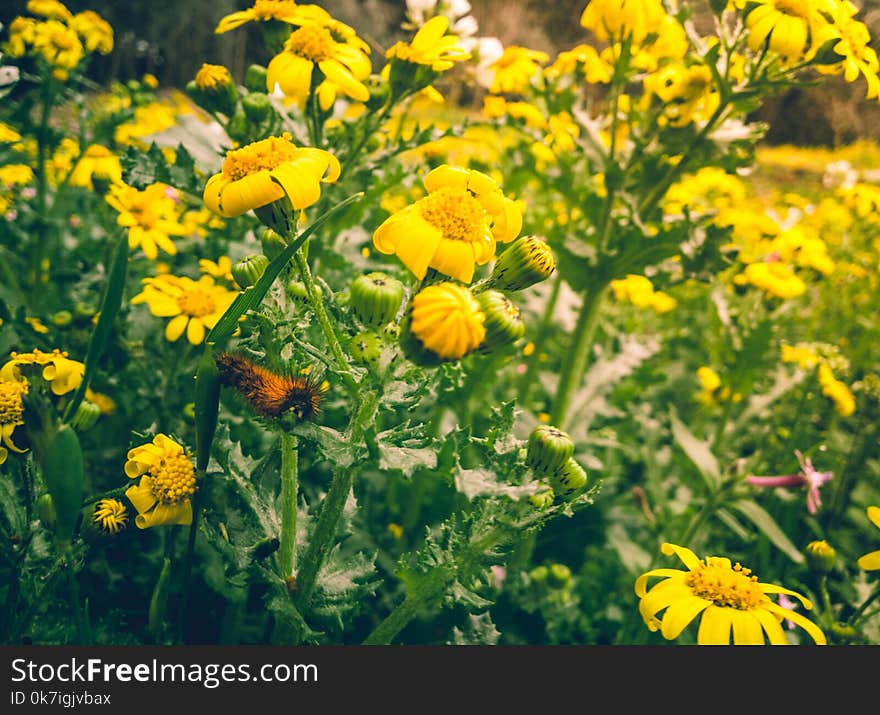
431, 46
110, 515
95, 31
221, 268
639, 291
211, 77
63, 374
193, 306
168, 482
59, 44
789, 25
871, 560
266, 171
515, 69
15, 175
11, 414
728, 598
447, 320
333, 48
261, 11
854, 46
152, 216
777, 279
96, 162
454, 228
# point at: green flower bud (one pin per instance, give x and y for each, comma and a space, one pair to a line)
272, 243
255, 78
569, 478
296, 290
820, 556
504, 324
86, 415
376, 298
543, 498
548, 449
257, 107
539, 574
528, 260
62, 318
238, 127
46, 511
248, 270
366, 347
379, 90
560, 574
390, 333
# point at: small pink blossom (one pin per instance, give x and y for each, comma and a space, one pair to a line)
808, 477
28, 192
499, 574
789, 604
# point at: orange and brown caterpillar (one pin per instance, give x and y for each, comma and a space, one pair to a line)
269, 393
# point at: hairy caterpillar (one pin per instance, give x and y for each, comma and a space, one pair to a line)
269, 393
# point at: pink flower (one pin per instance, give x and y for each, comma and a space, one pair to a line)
808, 477
787, 603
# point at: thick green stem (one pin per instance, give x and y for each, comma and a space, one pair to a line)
187, 558
305, 274
576, 359
289, 488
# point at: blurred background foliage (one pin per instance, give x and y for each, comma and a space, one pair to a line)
172, 38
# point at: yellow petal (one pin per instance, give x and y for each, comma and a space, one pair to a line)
688, 557
166, 515
175, 328
746, 628
195, 332
874, 515
141, 495
815, 632
454, 259
714, 626
249, 192
446, 176
642, 581
772, 627
341, 77
870, 561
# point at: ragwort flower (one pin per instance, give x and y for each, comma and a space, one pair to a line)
266, 171
729, 599
152, 216
454, 228
167, 483
11, 414
431, 46
63, 374
193, 306
261, 11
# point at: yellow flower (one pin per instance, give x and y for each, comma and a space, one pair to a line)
787, 23
265, 171
51, 9
431, 46
168, 481
95, 31
871, 560
64, 374
515, 68
221, 269
16, 174
8, 134
59, 44
261, 11
709, 380
97, 161
618, 19
776, 278
583, 58
447, 320
728, 598
149, 119
494, 106
193, 306
639, 291
211, 77
104, 402
687, 92
859, 57
454, 228
802, 354
152, 216
844, 402
110, 515
343, 64
11, 413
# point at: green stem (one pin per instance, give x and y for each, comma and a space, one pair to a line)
528, 378
576, 359
289, 488
42, 190
428, 590
856, 617
187, 558
82, 630
305, 274
333, 505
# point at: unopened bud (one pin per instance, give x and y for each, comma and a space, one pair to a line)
527, 261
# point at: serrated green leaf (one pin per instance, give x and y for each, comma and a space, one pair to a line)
478, 630
768, 526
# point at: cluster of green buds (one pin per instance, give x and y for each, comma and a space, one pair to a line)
375, 299
553, 582
549, 454
248, 111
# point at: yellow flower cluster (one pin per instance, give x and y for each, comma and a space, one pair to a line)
826, 358
639, 291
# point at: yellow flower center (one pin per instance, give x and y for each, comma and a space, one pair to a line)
794, 8
456, 213
263, 155
196, 302
11, 406
313, 42
110, 515
174, 479
726, 587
